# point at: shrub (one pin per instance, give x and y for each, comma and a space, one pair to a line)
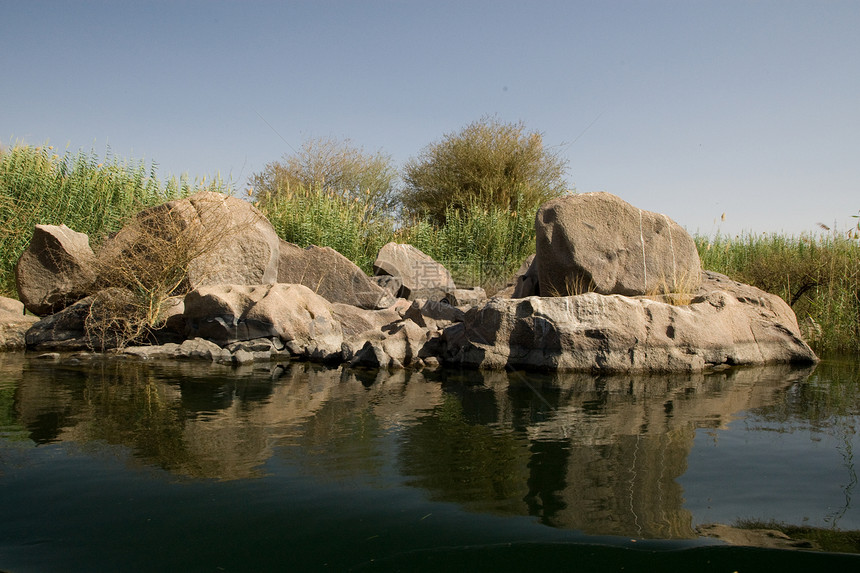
480, 246
145, 268
490, 164
336, 167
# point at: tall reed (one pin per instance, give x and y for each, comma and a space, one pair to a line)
481, 246
320, 217
87, 193
818, 275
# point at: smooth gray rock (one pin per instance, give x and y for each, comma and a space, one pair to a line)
354, 320
293, 313
399, 345
526, 279
739, 325
243, 357
236, 243
330, 275
256, 345
55, 270
73, 328
200, 348
466, 296
419, 274
596, 242
163, 351
434, 315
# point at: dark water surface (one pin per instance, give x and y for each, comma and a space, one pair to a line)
113, 466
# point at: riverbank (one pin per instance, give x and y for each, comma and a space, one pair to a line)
817, 275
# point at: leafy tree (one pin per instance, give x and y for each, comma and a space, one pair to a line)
488, 164
333, 166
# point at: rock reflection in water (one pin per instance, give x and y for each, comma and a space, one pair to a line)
597, 454
212, 421
600, 455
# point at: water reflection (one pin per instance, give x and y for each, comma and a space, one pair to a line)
598, 454
816, 417
212, 421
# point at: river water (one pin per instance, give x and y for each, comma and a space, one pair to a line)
184, 466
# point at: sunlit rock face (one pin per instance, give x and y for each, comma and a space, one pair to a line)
227, 240
292, 313
727, 323
612, 288
13, 324
596, 242
330, 275
56, 269
419, 275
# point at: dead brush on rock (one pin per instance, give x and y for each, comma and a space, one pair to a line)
679, 292
573, 286
144, 269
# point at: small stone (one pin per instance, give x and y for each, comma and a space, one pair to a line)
201, 348
243, 357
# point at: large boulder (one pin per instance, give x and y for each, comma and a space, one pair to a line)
214, 238
420, 276
13, 324
330, 275
293, 313
55, 270
596, 242
727, 324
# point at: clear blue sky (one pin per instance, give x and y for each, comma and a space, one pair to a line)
690, 108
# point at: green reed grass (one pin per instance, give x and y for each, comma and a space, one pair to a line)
481, 246
87, 193
326, 219
818, 275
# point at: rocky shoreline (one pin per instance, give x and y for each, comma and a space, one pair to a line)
612, 288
